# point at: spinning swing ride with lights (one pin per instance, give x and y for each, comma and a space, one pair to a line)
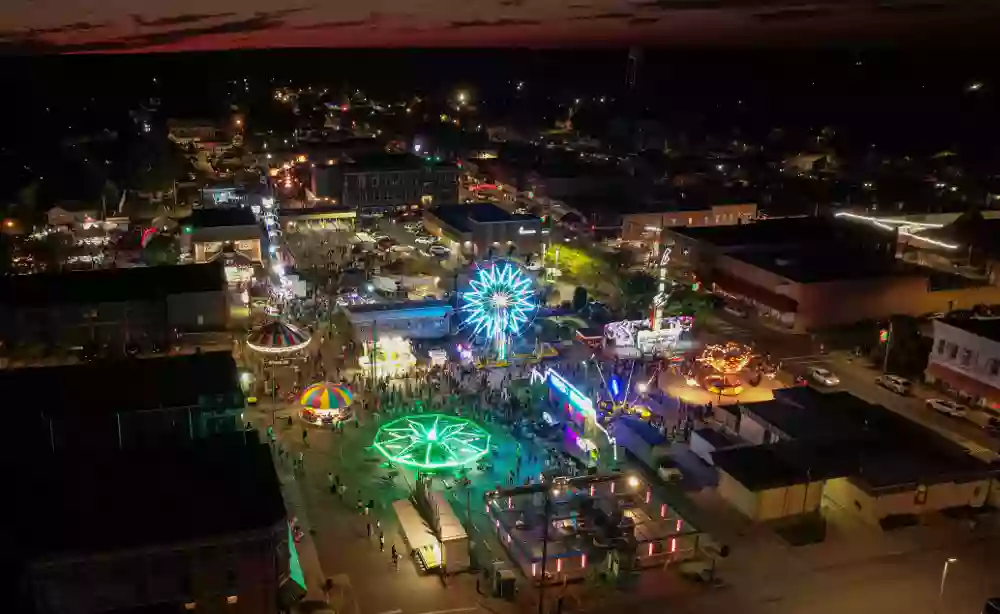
499, 304
726, 360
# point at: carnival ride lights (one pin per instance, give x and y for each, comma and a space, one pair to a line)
636, 333
432, 441
499, 304
324, 402
394, 356
277, 337
725, 359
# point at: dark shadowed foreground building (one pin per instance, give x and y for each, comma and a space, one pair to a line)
198, 528
129, 403
113, 307
811, 446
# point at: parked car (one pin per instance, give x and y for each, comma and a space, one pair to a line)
946, 407
425, 239
823, 376
899, 385
438, 250
413, 227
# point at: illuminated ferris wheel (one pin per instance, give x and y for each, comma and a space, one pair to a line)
499, 304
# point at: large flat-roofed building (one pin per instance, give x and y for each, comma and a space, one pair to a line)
866, 459
200, 528
646, 226
481, 229
409, 319
230, 236
811, 273
384, 182
965, 360
125, 403
111, 308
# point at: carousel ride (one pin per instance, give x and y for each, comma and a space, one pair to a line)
498, 306
278, 344
432, 441
727, 361
324, 403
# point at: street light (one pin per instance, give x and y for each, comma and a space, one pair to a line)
944, 578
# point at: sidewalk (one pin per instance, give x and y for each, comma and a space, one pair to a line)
306, 548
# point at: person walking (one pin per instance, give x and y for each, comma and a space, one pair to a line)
331, 484
381, 541
368, 526
395, 557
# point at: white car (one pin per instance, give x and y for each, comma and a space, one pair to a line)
823, 376
413, 226
438, 250
535, 265
899, 385
401, 249
425, 240
946, 407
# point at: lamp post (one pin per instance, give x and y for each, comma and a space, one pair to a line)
944, 578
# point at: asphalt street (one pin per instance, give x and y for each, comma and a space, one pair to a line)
799, 352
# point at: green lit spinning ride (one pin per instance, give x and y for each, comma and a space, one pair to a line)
432, 441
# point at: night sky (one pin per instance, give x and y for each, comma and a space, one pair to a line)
115, 26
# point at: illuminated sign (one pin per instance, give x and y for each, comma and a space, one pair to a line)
574, 396
526, 231
616, 387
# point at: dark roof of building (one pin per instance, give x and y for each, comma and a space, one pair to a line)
717, 439
124, 386
460, 216
126, 499
398, 306
814, 264
772, 232
383, 161
838, 434
214, 218
988, 329
110, 285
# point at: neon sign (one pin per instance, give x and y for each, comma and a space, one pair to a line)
574, 396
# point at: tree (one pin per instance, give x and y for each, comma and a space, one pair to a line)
687, 302
908, 349
636, 292
160, 250
579, 298
50, 251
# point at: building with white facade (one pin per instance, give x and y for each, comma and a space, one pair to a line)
965, 360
